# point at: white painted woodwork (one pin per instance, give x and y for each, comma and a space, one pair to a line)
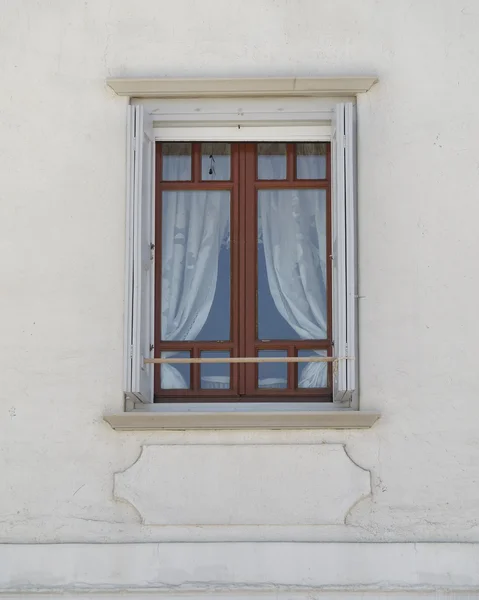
142, 200
344, 256
249, 132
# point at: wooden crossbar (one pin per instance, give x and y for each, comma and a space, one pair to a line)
257, 359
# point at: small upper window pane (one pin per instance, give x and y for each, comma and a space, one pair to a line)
271, 161
176, 161
311, 160
215, 162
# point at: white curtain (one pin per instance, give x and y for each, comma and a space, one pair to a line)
292, 229
193, 228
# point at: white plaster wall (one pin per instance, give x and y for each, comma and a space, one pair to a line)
62, 193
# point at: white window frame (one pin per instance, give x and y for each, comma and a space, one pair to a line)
278, 118
178, 121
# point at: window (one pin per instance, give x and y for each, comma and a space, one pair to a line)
241, 249
243, 269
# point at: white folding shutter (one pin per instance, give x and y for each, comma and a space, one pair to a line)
344, 253
140, 255
128, 324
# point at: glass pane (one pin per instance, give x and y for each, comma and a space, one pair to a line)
311, 161
271, 161
175, 377
195, 258
215, 376
313, 374
176, 161
292, 259
215, 162
272, 375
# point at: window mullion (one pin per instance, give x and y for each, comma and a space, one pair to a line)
196, 163
290, 162
195, 369
292, 369
250, 243
158, 266
241, 288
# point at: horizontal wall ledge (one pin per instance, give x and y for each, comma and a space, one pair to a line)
277, 419
257, 86
243, 570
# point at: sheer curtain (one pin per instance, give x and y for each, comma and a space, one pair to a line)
292, 228
193, 227
292, 231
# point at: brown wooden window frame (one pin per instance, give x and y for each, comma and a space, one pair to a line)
243, 187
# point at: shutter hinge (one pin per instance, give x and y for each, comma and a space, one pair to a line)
152, 250
344, 141
131, 350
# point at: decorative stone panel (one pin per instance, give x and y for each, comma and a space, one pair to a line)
243, 484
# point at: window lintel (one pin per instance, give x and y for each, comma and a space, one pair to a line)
169, 87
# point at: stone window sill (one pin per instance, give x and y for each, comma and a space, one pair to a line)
195, 416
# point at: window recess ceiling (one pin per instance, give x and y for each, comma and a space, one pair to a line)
240, 119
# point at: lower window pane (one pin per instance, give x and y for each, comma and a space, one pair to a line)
215, 376
313, 374
175, 377
272, 375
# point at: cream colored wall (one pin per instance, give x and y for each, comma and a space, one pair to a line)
62, 203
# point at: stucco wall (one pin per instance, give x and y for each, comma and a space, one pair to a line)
62, 201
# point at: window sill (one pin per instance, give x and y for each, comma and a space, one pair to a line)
191, 416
